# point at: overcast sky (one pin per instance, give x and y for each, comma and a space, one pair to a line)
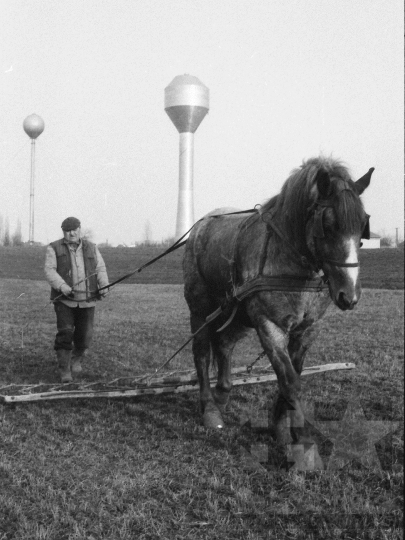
288, 80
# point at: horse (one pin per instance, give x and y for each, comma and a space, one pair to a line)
275, 268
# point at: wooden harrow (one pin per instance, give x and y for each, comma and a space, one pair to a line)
173, 383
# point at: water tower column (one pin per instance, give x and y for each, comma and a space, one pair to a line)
185, 203
186, 103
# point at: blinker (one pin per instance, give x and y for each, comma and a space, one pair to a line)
366, 230
318, 221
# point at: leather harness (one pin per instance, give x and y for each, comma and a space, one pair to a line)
262, 282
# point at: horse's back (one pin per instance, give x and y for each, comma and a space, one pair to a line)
210, 249
221, 211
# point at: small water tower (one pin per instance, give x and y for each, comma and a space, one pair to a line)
33, 126
186, 103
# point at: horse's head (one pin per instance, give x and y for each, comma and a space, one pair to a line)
337, 223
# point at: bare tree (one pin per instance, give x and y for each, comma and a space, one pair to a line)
104, 244
386, 240
147, 233
7, 240
16, 238
88, 234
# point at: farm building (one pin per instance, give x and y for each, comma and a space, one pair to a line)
373, 243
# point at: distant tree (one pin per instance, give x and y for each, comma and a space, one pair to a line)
104, 244
1, 230
88, 234
6, 238
147, 234
16, 238
386, 241
167, 242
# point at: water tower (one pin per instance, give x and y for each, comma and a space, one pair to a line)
186, 103
33, 126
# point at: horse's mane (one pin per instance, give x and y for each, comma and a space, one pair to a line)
299, 192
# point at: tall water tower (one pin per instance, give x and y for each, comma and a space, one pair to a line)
33, 126
186, 103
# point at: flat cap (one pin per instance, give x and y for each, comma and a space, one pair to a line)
70, 224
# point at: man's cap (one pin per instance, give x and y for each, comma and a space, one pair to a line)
70, 224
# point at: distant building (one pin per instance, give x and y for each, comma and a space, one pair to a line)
373, 243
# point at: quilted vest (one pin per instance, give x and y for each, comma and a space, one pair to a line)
64, 265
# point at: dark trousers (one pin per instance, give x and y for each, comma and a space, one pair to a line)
75, 327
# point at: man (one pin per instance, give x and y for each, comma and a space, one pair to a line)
75, 270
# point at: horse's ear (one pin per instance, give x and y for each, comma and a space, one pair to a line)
323, 183
363, 182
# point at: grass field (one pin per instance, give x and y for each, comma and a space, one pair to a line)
146, 468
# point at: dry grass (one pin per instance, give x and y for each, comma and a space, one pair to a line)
147, 469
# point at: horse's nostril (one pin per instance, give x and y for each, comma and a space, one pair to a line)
345, 302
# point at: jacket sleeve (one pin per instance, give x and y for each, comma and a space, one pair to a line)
51, 275
102, 277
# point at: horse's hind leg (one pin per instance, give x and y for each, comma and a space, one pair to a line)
222, 349
202, 354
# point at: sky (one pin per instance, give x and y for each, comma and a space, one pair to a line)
288, 80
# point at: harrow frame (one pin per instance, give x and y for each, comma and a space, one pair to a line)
171, 383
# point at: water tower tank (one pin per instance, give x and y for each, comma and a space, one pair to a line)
33, 126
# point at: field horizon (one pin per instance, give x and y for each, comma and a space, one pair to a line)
380, 268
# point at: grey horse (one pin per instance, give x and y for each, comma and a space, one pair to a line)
276, 270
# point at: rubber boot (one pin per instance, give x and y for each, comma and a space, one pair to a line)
77, 356
64, 365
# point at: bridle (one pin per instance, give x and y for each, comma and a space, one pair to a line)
318, 231
316, 210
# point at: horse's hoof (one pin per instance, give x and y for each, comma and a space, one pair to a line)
221, 400
213, 418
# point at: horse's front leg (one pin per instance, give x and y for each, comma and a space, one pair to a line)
202, 353
289, 416
299, 343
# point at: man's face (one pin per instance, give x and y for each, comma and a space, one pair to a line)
73, 236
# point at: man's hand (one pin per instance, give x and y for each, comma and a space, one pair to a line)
65, 289
103, 293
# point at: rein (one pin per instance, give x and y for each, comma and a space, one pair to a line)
180, 242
